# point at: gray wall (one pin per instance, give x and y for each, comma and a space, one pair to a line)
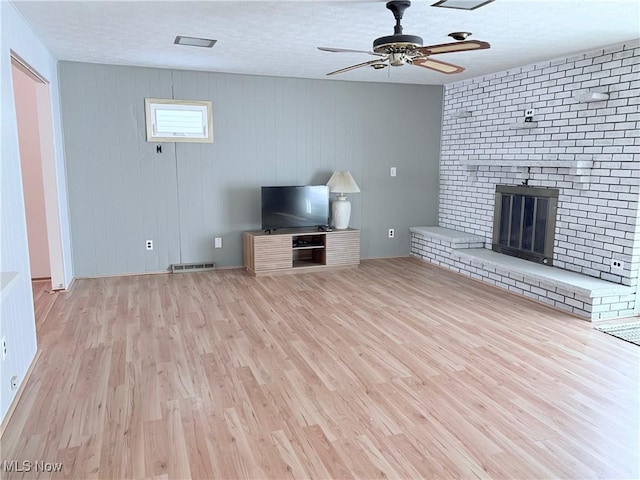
267, 131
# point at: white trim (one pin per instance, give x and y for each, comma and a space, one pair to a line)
49, 173
50, 184
20, 63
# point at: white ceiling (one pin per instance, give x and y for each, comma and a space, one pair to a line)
279, 38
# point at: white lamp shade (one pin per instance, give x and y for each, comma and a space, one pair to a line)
342, 182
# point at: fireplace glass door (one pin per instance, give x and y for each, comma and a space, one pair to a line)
524, 222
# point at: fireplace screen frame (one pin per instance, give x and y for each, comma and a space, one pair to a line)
551, 196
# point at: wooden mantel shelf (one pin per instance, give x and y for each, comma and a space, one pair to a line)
471, 161
578, 167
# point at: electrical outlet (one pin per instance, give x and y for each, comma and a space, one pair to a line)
392, 233
393, 171
617, 265
218, 242
529, 112
4, 348
14, 382
149, 244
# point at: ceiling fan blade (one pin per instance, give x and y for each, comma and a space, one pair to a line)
339, 50
353, 67
454, 47
437, 65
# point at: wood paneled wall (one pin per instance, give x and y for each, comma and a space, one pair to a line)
267, 131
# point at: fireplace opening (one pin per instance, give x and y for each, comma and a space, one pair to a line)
524, 222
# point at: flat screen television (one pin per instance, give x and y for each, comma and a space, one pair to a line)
295, 207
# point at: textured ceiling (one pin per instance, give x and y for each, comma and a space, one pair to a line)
279, 38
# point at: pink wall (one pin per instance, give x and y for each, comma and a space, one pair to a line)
29, 141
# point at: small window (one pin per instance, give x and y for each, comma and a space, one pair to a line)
178, 120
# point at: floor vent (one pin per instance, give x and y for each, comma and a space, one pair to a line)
192, 267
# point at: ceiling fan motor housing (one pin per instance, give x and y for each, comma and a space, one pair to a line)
396, 43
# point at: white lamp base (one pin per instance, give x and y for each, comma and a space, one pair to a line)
341, 212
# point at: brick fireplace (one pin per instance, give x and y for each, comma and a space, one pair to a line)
588, 152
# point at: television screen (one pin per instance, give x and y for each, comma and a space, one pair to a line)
295, 207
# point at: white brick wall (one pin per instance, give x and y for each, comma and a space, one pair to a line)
598, 214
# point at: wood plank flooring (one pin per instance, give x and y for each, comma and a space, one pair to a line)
396, 369
43, 299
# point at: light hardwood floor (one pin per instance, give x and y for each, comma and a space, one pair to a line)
43, 299
396, 369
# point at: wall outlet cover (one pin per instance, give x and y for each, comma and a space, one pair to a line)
617, 265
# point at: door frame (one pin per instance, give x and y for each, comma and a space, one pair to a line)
49, 175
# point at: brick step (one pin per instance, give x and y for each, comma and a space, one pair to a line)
582, 295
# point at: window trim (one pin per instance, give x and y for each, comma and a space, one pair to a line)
151, 104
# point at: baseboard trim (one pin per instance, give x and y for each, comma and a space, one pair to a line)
116, 275
163, 272
63, 289
16, 399
71, 284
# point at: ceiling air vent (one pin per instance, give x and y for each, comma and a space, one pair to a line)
194, 41
462, 4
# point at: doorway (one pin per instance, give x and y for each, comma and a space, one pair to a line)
37, 157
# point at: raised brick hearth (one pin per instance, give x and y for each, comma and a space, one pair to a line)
585, 296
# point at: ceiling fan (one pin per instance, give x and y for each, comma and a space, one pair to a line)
399, 49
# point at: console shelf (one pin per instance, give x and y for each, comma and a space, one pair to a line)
291, 251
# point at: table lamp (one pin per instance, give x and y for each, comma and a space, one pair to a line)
341, 183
